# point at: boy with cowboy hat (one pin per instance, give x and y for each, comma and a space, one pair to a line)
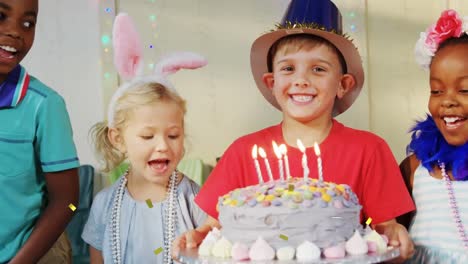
312, 72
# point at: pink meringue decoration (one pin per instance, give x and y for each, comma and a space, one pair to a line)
371, 247
260, 250
285, 253
335, 252
240, 251
222, 248
381, 244
356, 245
307, 251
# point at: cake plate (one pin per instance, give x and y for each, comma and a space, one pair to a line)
190, 256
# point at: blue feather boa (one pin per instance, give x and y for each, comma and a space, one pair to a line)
429, 146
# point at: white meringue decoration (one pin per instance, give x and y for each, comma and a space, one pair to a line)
307, 251
207, 244
356, 245
285, 253
222, 248
261, 250
378, 240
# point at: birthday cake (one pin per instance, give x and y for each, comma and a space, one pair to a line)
287, 219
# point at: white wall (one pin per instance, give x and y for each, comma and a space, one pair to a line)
65, 55
223, 100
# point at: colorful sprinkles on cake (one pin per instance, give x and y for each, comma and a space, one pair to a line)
295, 193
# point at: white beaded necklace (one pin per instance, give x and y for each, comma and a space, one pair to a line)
170, 216
454, 207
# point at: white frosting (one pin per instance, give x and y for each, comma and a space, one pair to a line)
307, 251
356, 245
285, 253
222, 248
378, 240
260, 250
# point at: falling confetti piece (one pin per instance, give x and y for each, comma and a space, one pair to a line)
284, 237
291, 187
158, 250
149, 203
369, 220
72, 207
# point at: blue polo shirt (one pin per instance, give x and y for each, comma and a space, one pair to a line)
35, 138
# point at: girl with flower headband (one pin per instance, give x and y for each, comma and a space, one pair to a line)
136, 219
437, 170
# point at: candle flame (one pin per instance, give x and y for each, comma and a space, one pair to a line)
276, 149
254, 152
300, 145
316, 149
283, 149
261, 152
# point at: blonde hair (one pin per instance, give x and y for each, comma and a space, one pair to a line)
297, 42
140, 95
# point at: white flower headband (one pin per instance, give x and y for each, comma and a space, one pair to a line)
128, 60
449, 25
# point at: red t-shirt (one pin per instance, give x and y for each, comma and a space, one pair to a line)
349, 156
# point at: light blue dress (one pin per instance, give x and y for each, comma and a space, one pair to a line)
141, 227
433, 229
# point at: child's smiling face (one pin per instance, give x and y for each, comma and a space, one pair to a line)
448, 103
17, 29
306, 82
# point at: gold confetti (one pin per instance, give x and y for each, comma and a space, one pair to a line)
290, 187
72, 207
284, 237
158, 250
149, 203
369, 220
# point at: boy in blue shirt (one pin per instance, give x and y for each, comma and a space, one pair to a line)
38, 161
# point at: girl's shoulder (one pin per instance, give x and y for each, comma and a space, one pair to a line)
103, 198
187, 186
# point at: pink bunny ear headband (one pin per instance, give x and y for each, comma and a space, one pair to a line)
129, 63
449, 25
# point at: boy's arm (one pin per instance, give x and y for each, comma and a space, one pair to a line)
398, 237
194, 237
95, 256
63, 189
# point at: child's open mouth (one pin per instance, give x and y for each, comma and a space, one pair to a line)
453, 122
159, 165
7, 52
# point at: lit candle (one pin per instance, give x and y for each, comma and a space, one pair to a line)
319, 161
284, 151
257, 165
277, 151
267, 164
305, 167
